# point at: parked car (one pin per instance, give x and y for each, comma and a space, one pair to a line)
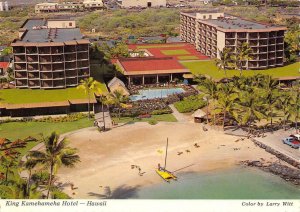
292, 142
296, 136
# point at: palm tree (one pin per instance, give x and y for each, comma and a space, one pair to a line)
29, 165
224, 60
249, 108
285, 104
271, 94
241, 55
105, 101
226, 100
90, 87
209, 88
296, 102
56, 154
118, 99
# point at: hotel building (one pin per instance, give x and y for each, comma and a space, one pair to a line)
211, 32
50, 54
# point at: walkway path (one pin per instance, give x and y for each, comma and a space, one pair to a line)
179, 116
99, 119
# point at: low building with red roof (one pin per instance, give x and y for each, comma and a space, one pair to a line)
151, 70
3, 67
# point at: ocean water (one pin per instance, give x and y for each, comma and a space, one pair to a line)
238, 183
155, 93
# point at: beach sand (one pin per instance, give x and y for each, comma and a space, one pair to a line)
106, 158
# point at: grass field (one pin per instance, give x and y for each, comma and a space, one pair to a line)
16, 130
164, 117
188, 57
208, 67
175, 52
18, 96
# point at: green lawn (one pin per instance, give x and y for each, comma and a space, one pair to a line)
18, 96
163, 117
187, 57
208, 67
15, 130
159, 46
175, 52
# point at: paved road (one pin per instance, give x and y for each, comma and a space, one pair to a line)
275, 141
180, 116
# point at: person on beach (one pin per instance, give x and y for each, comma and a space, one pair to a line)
158, 167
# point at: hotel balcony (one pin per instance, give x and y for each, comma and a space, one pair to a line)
230, 35
263, 57
20, 66
263, 35
279, 40
21, 83
263, 42
34, 83
33, 75
46, 84
70, 57
45, 59
230, 42
242, 35
253, 35
46, 67
280, 33
70, 65
82, 47
59, 83
82, 64
253, 43
19, 50
279, 48
58, 75
279, 61
240, 42
82, 56
271, 49
57, 50
19, 58
32, 59
32, 67
31, 50
263, 50
272, 55
272, 41
57, 59
70, 49
84, 72
71, 81
44, 50
46, 76
272, 34
20, 75
279, 54
58, 67
71, 73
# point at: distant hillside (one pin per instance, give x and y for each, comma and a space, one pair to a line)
24, 2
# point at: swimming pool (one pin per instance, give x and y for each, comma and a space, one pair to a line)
156, 93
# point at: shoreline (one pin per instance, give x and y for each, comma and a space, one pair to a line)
107, 157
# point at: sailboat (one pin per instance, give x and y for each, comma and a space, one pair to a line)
163, 172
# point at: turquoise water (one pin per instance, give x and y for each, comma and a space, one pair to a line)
241, 183
156, 93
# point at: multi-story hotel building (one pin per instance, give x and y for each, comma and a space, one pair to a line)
50, 54
211, 32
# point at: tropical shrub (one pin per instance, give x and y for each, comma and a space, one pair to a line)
190, 104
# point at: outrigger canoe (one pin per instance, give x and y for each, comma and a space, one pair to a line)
166, 175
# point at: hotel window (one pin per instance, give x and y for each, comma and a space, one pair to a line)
70, 24
210, 16
204, 17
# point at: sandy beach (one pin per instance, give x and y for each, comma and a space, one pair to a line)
106, 158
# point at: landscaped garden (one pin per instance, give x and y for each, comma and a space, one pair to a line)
190, 104
208, 68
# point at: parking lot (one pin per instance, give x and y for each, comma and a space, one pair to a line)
275, 141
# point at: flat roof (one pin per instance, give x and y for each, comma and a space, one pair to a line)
236, 23
30, 23
138, 66
52, 35
232, 22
